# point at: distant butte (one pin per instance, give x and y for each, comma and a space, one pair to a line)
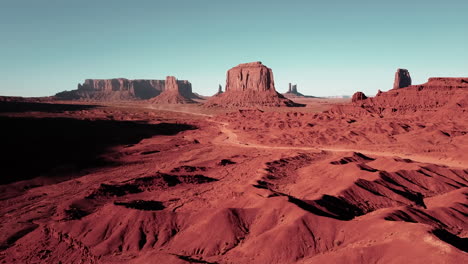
293, 93
220, 90
402, 79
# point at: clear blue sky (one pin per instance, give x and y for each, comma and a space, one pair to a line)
326, 47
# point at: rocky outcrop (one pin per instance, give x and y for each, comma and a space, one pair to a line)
402, 79
441, 96
176, 92
358, 96
250, 85
455, 82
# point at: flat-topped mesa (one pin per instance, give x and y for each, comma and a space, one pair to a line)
117, 84
250, 76
121, 89
358, 96
116, 89
140, 87
402, 79
250, 85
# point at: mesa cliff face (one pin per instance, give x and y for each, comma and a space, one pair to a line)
122, 89
114, 90
250, 85
253, 76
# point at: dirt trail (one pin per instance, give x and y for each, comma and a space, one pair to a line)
229, 137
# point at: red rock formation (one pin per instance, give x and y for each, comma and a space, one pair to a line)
176, 92
114, 90
249, 85
294, 88
252, 76
402, 79
171, 84
146, 89
447, 82
119, 84
437, 93
292, 92
220, 91
122, 89
358, 96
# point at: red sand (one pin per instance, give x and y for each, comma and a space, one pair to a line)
382, 180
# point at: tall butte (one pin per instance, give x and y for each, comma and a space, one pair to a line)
250, 85
176, 92
402, 79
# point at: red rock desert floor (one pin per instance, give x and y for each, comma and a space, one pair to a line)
332, 182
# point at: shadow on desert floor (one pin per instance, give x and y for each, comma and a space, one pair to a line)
21, 107
34, 146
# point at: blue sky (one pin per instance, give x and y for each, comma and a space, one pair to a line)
326, 47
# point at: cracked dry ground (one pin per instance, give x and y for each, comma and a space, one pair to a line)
194, 196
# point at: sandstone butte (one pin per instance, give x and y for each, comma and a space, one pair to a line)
176, 92
402, 79
250, 85
292, 92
